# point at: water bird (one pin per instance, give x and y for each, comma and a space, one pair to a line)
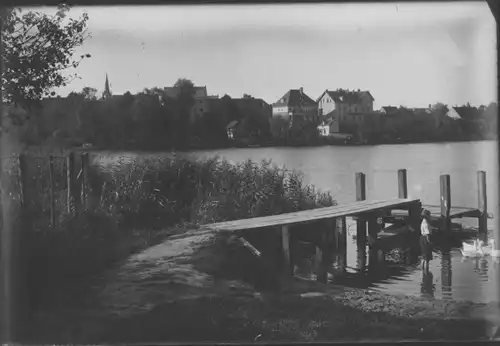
490, 249
471, 247
473, 252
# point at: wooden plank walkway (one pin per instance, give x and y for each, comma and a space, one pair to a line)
304, 216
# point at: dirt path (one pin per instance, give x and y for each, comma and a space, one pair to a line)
161, 274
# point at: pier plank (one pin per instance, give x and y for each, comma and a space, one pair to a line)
304, 216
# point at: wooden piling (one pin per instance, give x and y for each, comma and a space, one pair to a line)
52, 199
402, 184
482, 204
324, 252
445, 188
414, 217
360, 222
341, 242
285, 242
373, 230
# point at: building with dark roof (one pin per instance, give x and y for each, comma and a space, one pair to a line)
344, 102
295, 103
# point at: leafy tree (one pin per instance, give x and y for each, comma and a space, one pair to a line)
89, 93
38, 49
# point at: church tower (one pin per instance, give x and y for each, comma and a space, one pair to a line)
107, 91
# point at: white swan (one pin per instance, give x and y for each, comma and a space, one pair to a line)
490, 249
473, 251
471, 247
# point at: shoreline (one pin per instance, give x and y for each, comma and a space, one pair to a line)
164, 292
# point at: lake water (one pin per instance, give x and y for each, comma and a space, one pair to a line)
333, 168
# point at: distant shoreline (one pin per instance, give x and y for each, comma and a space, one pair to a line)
260, 146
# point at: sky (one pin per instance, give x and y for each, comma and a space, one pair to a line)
411, 54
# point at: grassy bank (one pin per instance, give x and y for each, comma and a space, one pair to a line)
140, 203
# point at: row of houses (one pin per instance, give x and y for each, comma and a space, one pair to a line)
346, 113
337, 112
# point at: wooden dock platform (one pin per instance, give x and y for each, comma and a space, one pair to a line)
370, 215
358, 208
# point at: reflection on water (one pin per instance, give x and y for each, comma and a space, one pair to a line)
427, 286
450, 276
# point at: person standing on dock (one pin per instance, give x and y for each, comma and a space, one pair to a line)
425, 239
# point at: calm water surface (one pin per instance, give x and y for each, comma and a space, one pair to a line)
333, 169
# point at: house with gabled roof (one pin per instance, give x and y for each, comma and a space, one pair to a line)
464, 112
344, 102
295, 103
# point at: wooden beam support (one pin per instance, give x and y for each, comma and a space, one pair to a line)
324, 253
414, 217
402, 184
360, 221
445, 188
482, 205
341, 243
285, 242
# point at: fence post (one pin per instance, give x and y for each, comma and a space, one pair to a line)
73, 193
84, 186
52, 201
19, 242
445, 185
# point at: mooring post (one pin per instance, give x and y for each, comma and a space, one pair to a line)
361, 222
414, 217
341, 242
482, 205
285, 242
324, 253
373, 230
402, 184
444, 180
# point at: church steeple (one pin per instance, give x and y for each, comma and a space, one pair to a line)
107, 91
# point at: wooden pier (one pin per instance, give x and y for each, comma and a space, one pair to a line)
370, 216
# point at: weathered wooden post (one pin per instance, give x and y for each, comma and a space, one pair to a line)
85, 177
373, 230
52, 199
285, 243
482, 205
360, 222
341, 242
324, 253
414, 212
402, 184
73, 186
444, 180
